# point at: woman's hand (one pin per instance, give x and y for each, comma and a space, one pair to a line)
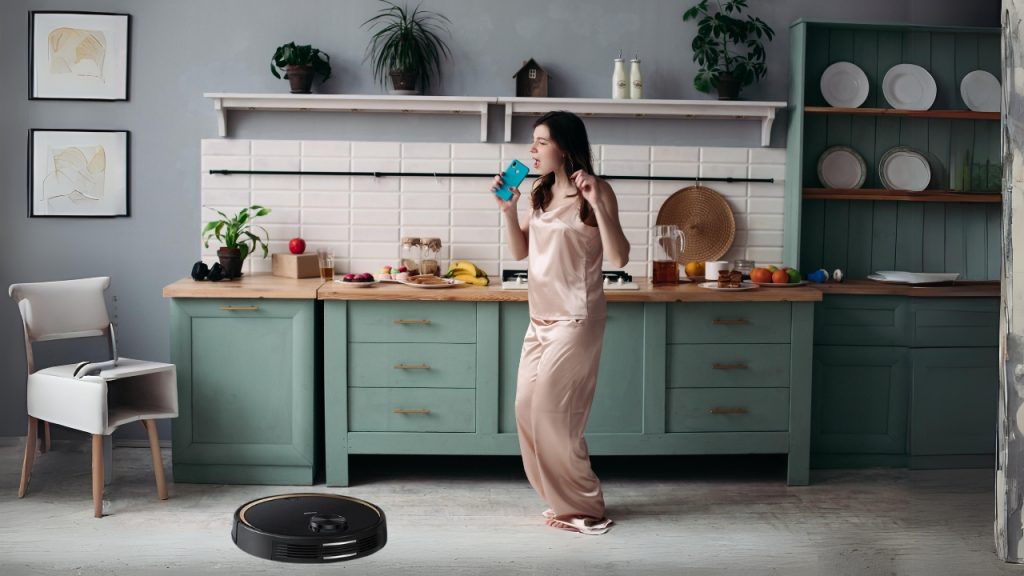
587, 185
505, 205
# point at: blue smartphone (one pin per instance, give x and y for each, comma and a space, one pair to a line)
512, 177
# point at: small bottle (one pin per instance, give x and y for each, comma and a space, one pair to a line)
620, 87
636, 81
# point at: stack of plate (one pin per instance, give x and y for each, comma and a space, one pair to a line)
909, 87
841, 167
903, 168
981, 91
844, 85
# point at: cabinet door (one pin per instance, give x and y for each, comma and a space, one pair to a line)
618, 402
955, 401
860, 396
245, 391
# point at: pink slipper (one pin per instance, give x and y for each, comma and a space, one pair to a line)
581, 525
548, 514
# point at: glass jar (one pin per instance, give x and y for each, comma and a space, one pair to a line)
430, 259
411, 255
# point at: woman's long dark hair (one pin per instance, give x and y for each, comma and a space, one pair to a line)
570, 135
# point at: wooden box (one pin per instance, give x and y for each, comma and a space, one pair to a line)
295, 265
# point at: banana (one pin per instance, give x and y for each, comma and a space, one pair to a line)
468, 272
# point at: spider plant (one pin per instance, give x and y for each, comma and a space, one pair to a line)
407, 41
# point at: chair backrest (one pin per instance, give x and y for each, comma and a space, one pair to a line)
62, 309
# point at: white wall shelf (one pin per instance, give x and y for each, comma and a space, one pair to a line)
764, 112
222, 103
723, 109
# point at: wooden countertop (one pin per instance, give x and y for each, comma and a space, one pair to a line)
682, 293
250, 286
960, 289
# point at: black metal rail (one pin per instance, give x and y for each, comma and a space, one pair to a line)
377, 174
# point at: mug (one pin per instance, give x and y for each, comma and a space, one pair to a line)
713, 267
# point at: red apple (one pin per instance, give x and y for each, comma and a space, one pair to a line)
296, 245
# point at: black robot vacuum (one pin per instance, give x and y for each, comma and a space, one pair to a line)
309, 528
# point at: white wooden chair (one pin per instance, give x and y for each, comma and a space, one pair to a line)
92, 397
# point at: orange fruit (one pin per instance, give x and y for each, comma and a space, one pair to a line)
694, 269
780, 277
761, 275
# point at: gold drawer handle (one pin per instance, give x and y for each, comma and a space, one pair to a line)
411, 411
729, 411
412, 366
412, 321
736, 366
736, 322
240, 308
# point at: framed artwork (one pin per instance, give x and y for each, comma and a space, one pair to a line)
77, 173
78, 55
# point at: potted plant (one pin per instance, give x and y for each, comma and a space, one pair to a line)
299, 64
406, 46
728, 48
239, 236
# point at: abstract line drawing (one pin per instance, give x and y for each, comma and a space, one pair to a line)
78, 52
76, 175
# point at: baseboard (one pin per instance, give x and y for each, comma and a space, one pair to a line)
138, 443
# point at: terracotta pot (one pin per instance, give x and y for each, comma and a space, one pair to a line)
728, 87
300, 77
404, 80
231, 261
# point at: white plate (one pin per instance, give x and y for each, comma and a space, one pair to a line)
844, 85
841, 167
448, 283
714, 286
981, 91
908, 87
903, 168
781, 285
355, 284
900, 277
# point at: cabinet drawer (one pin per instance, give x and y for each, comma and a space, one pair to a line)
412, 322
412, 365
862, 321
728, 365
412, 410
968, 322
733, 322
727, 410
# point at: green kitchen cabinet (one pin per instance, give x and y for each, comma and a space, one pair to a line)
246, 385
954, 404
860, 398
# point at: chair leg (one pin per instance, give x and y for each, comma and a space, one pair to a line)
97, 475
30, 453
158, 462
46, 437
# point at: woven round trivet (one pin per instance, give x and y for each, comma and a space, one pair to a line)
706, 220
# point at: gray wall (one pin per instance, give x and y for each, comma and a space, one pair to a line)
183, 48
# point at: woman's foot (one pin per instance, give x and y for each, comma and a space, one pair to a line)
580, 524
548, 514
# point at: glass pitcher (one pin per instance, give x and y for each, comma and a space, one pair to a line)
667, 245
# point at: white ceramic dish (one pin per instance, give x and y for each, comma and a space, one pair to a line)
844, 85
786, 285
714, 286
900, 277
903, 168
981, 91
841, 167
909, 87
355, 284
448, 283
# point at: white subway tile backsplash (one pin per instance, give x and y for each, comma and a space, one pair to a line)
363, 218
326, 148
276, 147
389, 150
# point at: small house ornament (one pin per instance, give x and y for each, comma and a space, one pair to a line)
531, 80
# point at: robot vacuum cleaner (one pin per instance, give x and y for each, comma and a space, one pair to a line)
309, 528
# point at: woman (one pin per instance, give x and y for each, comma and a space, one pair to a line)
573, 225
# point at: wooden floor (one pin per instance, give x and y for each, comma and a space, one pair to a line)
685, 515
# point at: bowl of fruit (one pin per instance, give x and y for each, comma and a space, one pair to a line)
360, 280
774, 277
